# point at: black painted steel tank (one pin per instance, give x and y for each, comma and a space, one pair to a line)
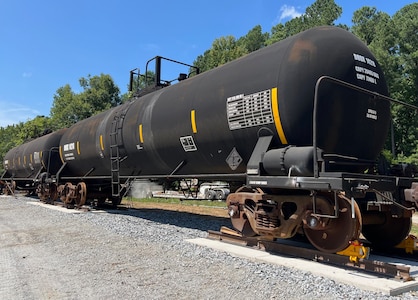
29, 159
210, 123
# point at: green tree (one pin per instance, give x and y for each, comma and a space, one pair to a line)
278, 33
394, 43
9, 138
223, 50
138, 84
67, 108
227, 48
321, 12
34, 128
202, 61
376, 30
99, 93
254, 39
406, 120
364, 21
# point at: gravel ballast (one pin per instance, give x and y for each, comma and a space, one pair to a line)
138, 254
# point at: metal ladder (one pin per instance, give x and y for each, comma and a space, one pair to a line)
115, 158
116, 150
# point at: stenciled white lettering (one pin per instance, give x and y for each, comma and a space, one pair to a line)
363, 73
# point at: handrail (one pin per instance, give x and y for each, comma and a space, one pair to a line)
351, 86
158, 68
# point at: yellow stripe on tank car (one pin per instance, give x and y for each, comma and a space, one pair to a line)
78, 147
101, 142
276, 116
193, 120
141, 137
30, 158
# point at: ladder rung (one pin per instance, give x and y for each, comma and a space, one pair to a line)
114, 155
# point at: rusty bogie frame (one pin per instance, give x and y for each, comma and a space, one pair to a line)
9, 187
330, 226
73, 195
277, 216
47, 192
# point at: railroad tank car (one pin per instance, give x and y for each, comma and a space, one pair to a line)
209, 124
25, 163
279, 119
299, 124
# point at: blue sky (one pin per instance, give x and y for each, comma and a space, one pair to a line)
46, 44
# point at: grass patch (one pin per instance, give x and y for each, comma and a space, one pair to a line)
179, 201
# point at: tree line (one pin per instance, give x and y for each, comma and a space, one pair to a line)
392, 39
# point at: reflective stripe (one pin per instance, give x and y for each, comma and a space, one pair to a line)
101, 143
193, 120
141, 137
78, 147
276, 115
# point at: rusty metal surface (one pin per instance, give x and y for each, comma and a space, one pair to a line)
282, 216
73, 195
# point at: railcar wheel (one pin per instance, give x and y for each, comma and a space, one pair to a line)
53, 192
333, 234
388, 234
42, 195
67, 194
81, 194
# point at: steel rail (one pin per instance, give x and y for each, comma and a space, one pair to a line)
398, 272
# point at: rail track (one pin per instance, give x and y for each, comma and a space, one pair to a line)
303, 250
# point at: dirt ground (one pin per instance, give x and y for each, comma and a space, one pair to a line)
202, 210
